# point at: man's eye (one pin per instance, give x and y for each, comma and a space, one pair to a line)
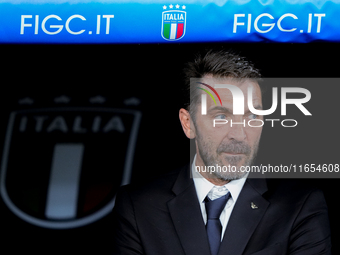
252, 116
221, 116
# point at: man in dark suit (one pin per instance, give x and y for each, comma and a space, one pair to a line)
201, 209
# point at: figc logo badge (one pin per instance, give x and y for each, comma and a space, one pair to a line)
173, 22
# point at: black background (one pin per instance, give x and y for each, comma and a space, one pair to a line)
153, 73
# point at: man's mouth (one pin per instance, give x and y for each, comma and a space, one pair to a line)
233, 153
234, 149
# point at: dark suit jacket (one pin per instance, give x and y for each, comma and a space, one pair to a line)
164, 218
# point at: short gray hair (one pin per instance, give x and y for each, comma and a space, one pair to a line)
218, 64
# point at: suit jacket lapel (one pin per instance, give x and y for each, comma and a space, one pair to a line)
246, 215
186, 215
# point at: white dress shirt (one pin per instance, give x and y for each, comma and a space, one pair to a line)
203, 187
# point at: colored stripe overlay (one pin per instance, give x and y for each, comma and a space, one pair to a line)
212, 89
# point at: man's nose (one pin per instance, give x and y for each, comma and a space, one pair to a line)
237, 128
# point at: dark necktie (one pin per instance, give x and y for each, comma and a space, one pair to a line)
213, 226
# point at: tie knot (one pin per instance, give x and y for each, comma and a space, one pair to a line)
215, 207
217, 192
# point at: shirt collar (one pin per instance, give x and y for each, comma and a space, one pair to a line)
203, 186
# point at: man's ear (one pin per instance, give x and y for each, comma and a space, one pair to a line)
187, 124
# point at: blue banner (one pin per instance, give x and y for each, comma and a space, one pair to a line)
166, 22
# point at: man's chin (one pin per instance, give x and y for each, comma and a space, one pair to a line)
233, 163
229, 171
229, 175
229, 159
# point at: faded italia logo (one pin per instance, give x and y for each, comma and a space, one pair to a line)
62, 167
173, 22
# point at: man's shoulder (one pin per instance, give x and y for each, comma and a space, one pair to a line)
292, 190
158, 186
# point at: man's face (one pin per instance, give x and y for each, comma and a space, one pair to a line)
228, 144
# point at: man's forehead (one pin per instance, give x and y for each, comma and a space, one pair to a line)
227, 96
